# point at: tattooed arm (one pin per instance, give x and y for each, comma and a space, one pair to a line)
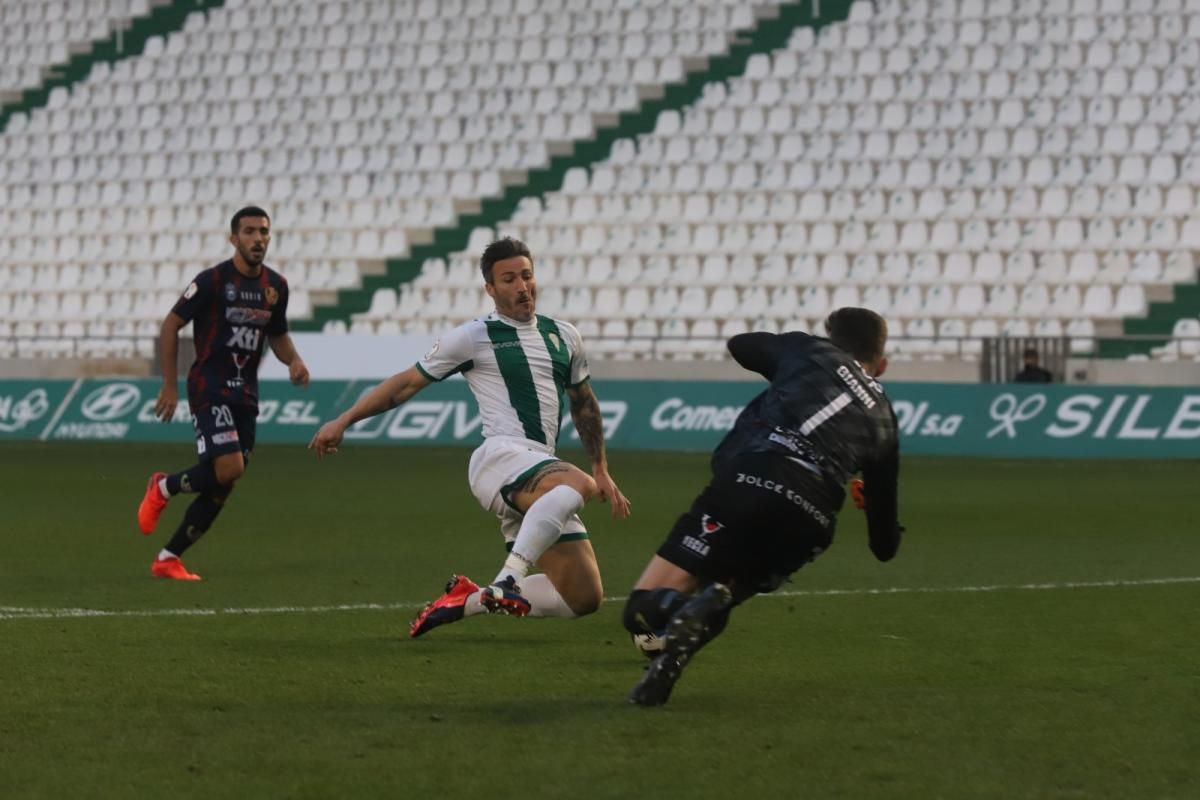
585, 411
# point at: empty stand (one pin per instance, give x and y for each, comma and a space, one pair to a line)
38, 34
1031, 164
359, 125
967, 168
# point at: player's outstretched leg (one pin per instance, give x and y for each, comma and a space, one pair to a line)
688, 630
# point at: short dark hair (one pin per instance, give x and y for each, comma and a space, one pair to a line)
499, 250
859, 331
1030, 352
248, 211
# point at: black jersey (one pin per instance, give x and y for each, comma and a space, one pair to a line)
822, 411
232, 315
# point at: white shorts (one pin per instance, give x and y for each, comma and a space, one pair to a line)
500, 466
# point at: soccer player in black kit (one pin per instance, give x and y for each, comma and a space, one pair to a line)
233, 307
777, 485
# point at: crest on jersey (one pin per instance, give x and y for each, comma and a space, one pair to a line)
272, 296
190, 291
230, 292
554, 340
709, 525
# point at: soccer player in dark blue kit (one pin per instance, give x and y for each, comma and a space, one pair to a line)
777, 485
236, 308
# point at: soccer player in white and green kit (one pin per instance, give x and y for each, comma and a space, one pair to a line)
521, 367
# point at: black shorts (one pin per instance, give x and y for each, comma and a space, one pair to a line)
760, 519
222, 429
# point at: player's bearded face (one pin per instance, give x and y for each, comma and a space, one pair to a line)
252, 239
513, 288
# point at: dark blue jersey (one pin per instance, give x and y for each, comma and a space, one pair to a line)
822, 411
232, 316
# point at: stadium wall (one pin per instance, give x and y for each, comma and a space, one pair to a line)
353, 357
997, 420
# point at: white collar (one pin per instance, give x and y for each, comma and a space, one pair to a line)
513, 322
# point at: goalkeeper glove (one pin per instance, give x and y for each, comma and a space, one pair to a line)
857, 494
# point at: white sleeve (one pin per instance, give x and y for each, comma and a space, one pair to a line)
579, 365
452, 352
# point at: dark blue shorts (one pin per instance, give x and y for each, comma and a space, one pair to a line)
758, 521
222, 429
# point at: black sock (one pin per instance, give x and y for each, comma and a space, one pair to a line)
199, 479
649, 610
196, 521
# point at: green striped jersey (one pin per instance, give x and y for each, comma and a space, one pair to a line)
518, 371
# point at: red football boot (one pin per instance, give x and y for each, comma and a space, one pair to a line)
172, 568
447, 608
152, 505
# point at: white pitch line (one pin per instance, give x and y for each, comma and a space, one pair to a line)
13, 612
73, 613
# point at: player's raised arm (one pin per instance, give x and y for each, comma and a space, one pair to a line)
585, 411
755, 352
384, 397
168, 353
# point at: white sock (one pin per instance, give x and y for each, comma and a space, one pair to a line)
515, 566
473, 606
540, 529
166, 555
544, 599
162, 487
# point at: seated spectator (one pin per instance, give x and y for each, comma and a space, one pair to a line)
1033, 373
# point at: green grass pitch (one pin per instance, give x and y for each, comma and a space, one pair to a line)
944, 674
